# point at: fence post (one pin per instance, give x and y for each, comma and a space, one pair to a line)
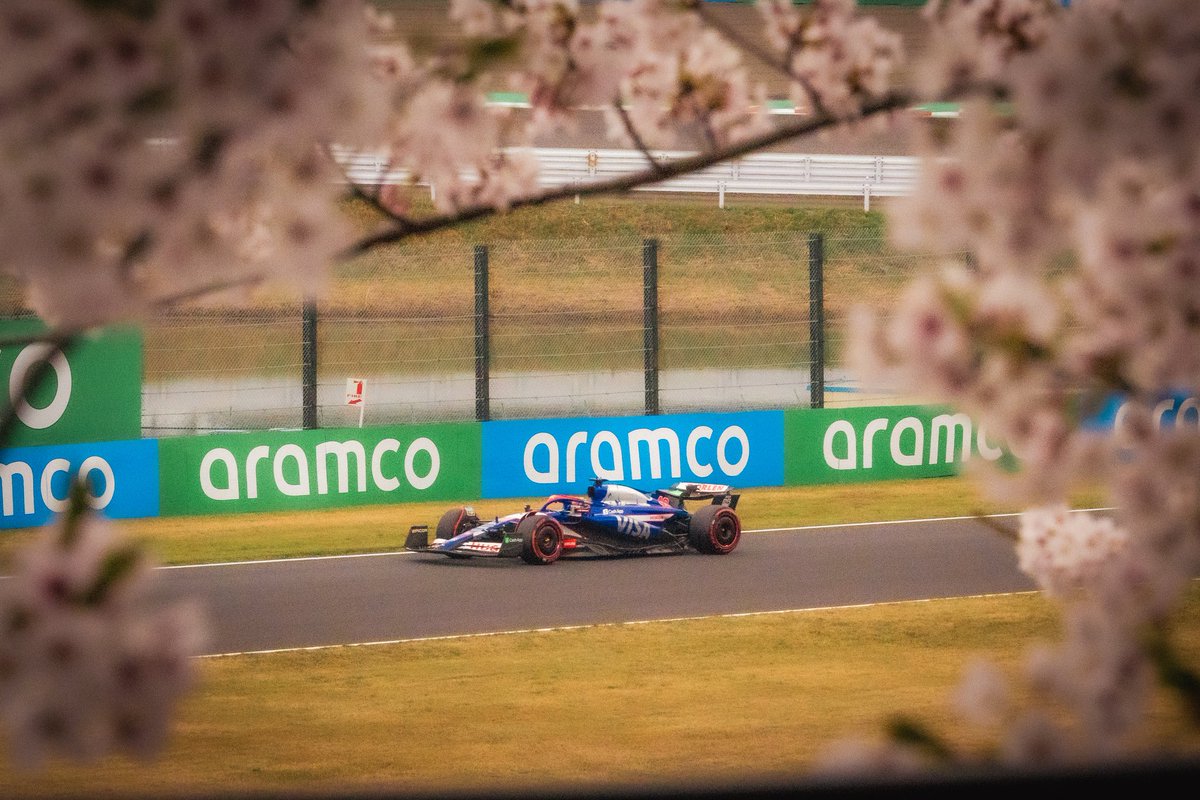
816, 319
483, 400
308, 361
650, 321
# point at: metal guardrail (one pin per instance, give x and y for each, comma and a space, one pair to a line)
758, 173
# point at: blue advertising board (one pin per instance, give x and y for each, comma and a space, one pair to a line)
1174, 409
528, 458
122, 477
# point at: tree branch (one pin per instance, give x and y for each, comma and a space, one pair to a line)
624, 183
635, 136
782, 66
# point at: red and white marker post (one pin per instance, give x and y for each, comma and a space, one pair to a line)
356, 396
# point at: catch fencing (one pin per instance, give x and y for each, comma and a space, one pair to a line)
446, 331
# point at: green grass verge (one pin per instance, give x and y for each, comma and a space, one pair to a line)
690, 703
733, 289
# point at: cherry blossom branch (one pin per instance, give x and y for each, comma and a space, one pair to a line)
1003, 530
196, 292
751, 47
638, 142
404, 228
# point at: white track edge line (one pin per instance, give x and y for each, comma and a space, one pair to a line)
559, 628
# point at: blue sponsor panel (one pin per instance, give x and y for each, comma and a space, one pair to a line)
122, 477
526, 458
1174, 409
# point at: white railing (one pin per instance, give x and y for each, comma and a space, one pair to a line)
758, 173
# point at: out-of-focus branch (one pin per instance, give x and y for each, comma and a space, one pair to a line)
1005, 531
631, 130
747, 45
194, 292
404, 228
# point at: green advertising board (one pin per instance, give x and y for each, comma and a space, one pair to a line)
326, 468
848, 445
92, 391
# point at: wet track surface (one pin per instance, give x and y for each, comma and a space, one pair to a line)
348, 600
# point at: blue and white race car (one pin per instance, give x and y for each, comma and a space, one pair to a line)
611, 520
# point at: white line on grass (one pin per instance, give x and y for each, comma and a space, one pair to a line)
555, 629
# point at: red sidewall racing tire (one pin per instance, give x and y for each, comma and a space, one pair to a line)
454, 522
715, 530
541, 539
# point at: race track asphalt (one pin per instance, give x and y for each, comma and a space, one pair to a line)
297, 603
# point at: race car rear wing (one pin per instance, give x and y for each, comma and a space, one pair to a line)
719, 493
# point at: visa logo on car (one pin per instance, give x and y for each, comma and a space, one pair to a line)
632, 527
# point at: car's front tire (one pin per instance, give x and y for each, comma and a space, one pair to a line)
541, 539
454, 522
715, 530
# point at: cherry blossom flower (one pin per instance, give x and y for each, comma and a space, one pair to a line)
1075, 202
88, 664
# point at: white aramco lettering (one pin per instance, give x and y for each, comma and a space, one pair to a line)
39, 418
54, 467
341, 467
906, 442
229, 491
97, 464
301, 487
654, 440
616, 472
655, 453
850, 445
422, 445
20, 472
700, 470
9, 475
733, 433
342, 453
550, 474
914, 458
1187, 413
384, 482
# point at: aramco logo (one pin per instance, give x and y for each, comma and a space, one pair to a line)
660, 452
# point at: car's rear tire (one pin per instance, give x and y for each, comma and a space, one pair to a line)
715, 529
541, 539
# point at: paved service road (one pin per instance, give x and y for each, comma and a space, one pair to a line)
315, 602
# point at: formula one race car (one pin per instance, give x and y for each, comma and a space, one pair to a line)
612, 520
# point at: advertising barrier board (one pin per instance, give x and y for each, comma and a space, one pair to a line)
529, 458
324, 468
34, 481
340, 467
1178, 409
92, 392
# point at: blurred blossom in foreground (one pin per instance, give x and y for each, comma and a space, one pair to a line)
1069, 217
143, 142
89, 666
